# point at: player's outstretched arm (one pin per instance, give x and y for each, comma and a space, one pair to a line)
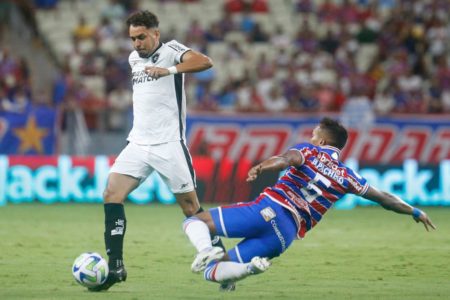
394, 203
276, 163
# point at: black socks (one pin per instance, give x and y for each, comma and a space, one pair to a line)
115, 227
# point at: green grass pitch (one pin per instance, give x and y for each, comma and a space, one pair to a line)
366, 253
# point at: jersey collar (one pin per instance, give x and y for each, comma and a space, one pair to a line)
157, 48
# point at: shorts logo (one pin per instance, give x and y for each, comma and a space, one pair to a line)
184, 185
268, 214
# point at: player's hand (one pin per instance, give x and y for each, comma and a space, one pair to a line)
156, 72
425, 220
254, 172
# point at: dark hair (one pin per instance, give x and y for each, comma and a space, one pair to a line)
143, 18
336, 133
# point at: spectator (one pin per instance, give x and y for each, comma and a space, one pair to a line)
259, 6
234, 6
275, 102
119, 102
19, 103
330, 42
384, 102
83, 31
228, 98
357, 111
258, 35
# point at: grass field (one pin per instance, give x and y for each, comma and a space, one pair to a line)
367, 253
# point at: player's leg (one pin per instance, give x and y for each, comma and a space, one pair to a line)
224, 272
269, 229
117, 190
188, 203
125, 175
238, 220
199, 229
173, 162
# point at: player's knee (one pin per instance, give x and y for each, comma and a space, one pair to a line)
111, 196
188, 206
189, 211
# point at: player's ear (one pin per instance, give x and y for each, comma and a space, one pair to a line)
157, 33
322, 142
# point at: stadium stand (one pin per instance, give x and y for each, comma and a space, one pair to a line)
270, 56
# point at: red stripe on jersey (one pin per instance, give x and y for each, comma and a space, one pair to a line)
330, 196
294, 197
318, 207
301, 233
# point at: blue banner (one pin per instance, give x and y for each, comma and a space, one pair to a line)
32, 132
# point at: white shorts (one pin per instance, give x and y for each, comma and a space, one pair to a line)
171, 160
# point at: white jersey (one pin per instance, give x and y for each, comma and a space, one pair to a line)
159, 106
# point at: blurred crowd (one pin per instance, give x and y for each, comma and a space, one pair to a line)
362, 57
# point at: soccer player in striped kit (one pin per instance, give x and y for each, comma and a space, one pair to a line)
314, 180
157, 140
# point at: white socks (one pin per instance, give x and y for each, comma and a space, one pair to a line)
226, 271
198, 233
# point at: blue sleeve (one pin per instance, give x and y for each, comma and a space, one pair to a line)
302, 146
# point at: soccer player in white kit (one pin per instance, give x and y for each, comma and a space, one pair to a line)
157, 140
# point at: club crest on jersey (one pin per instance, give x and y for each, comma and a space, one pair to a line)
155, 58
268, 214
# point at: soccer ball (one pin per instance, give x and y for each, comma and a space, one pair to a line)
90, 269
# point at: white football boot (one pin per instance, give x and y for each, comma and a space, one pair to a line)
203, 258
258, 265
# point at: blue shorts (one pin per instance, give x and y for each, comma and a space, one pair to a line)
268, 229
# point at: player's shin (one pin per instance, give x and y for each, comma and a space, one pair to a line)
115, 227
215, 239
228, 271
198, 233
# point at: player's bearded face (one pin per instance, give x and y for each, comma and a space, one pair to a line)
145, 40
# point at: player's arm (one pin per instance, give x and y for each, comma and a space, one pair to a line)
394, 203
276, 163
192, 61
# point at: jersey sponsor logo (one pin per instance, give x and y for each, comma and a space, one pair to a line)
279, 235
325, 166
268, 213
355, 184
141, 77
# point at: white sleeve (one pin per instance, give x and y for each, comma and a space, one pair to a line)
133, 58
178, 49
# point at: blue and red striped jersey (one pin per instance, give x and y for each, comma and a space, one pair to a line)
310, 190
